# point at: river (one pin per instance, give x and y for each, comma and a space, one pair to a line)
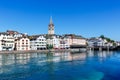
91, 65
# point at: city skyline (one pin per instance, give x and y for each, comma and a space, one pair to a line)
87, 18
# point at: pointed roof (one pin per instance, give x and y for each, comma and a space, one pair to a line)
51, 22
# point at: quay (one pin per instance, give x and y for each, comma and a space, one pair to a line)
72, 49
37, 51
103, 48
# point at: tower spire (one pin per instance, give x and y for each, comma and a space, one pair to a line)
51, 27
51, 22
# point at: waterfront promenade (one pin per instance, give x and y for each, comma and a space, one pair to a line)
62, 50
33, 51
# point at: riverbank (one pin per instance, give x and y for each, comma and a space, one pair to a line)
57, 50
33, 51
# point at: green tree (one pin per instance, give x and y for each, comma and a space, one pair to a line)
49, 46
102, 36
108, 39
114, 44
112, 41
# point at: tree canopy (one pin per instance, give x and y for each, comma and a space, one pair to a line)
108, 39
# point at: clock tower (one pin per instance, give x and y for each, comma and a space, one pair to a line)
51, 27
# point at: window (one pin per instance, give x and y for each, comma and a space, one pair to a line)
4, 37
22, 45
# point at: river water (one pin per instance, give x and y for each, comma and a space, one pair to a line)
91, 65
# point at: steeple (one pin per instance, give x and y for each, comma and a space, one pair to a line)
51, 22
51, 27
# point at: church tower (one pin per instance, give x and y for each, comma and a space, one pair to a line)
51, 27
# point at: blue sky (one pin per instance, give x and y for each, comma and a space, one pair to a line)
88, 18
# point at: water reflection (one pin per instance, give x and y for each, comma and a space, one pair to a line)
12, 59
21, 66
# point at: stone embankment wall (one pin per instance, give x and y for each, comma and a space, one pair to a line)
32, 51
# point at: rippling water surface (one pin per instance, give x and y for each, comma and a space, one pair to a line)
61, 66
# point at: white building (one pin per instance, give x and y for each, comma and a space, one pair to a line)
6, 42
64, 43
15, 34
53, 40
38, 42
117, 43
98, 42
22, 43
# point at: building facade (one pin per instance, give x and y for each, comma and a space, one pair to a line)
15, 34
6, 42
75, 40
64, 43
22, 43
53, 40
38, 42
98, 42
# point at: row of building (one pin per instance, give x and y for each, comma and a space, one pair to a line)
13, 40
100, 42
